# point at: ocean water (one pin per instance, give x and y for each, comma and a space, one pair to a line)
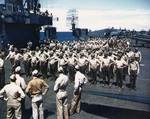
61, 36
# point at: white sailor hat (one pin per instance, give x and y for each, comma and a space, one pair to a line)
17, 69
12, 77
77, 67
60, 69
35, 72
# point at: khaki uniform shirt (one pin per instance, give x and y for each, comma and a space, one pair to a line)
36, 86
11, 91
60, 86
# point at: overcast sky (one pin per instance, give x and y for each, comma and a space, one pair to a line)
98, 14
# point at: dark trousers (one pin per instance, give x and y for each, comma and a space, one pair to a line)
106, 76
93, 75
23, 108
133, 77
27, 66
125, 72
52, 68
82, 69
2, 77
71, 71
111, 73
119, 77
34, 66
65, 68
12, 61
43, 69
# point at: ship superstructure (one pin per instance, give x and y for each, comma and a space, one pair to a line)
21, 21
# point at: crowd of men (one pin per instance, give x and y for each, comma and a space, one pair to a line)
107, 61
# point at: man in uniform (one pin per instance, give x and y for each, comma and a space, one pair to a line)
37, 88
52, 64
130, 53
71, 66
100, 59
27, 62
62, 62
21, 83
120, 63
80, 80
17, 59
34, 61
19, 79
105, 69
133, 71
111, 68
93, 66
61, 95
10, 56
82, 62
14, 95
137, 55
43, 63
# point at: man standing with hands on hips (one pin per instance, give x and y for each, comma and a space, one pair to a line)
80, 80
13, 94
37, 88
60, 86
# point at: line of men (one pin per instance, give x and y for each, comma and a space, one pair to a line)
107, 59
110, 60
